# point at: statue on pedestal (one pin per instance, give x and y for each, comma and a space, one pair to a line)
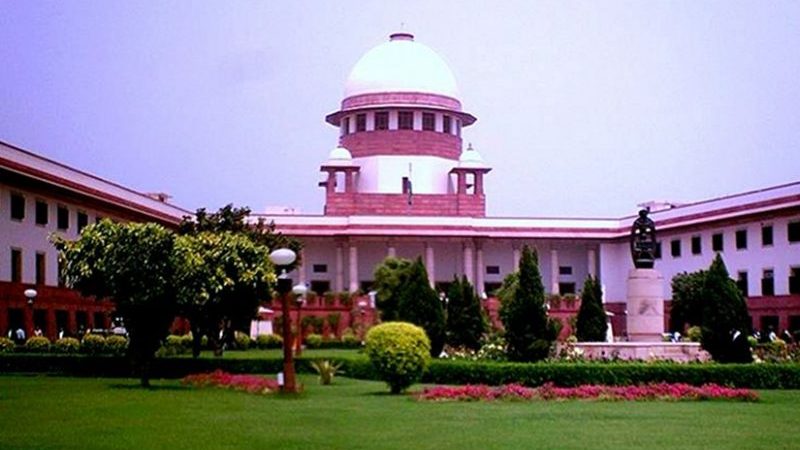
643, 241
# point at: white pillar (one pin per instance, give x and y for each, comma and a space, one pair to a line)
591, 261
391, 251
516, 258
469, 268
479, 270
554, 272
429, 264
353, 268
301, 271
339, 268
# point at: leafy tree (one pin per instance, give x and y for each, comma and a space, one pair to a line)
509, 287
528, 331
221, 277
419, 304
687, 300
591, 324
726, 322
389, 276
465, 320
133, 264
237, 220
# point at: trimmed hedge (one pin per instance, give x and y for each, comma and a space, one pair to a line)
755, 376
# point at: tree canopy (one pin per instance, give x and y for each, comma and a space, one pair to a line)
528, 331
389, 275
419, 304
726, 322
466, 322
591, 323
133, 264
221, 278
687, 300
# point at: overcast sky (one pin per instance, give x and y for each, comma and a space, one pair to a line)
584, 108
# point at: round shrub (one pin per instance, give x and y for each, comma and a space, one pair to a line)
67, 345
187, 341
313, 341
242, 340
93, 344
694, 333
6, 345
400, 352
116, 345
265, 341
37, 344
174, 345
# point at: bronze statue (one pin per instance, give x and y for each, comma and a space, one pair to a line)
643, 241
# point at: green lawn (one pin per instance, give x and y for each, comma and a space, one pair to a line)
278, 353
52, 412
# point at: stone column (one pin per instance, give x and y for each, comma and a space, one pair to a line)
478, 183
469, 268
339, 268
516, 253
391, 251
349, 181
301, 269
479, 269
330, 185
554, 272
645, 305
430, 264
591, 261
353, 267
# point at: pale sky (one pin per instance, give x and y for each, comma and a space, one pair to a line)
584, 108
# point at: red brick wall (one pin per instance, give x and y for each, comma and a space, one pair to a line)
402, 142
345, 204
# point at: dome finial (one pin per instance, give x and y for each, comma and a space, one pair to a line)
469, 147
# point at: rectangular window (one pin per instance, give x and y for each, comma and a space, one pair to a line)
361, 122
40, 268
382, 120
742, 282
345, 126
17, 207
768, 282
83, 220
405, 120
447, 124
41, 213
794, 280
458, 128
16, 265
657, 252
320, 287
320, 268
63, 217
675, 248
717, 243
565, 270
741, 239
566, 288
493, 270
793, 231
428, 121
696, 245
766, 235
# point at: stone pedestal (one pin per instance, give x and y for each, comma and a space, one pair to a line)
645, 305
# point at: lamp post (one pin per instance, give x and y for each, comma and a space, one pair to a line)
283, 258
29, 325
30, 294
299, 290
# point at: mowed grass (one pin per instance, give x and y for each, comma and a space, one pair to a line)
52, 412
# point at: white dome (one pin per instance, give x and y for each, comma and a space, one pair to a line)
340, 156
470, 158
401, 65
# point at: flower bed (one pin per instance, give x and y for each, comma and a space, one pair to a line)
659, 391
248, 383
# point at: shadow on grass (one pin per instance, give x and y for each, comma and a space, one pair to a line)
138, 387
